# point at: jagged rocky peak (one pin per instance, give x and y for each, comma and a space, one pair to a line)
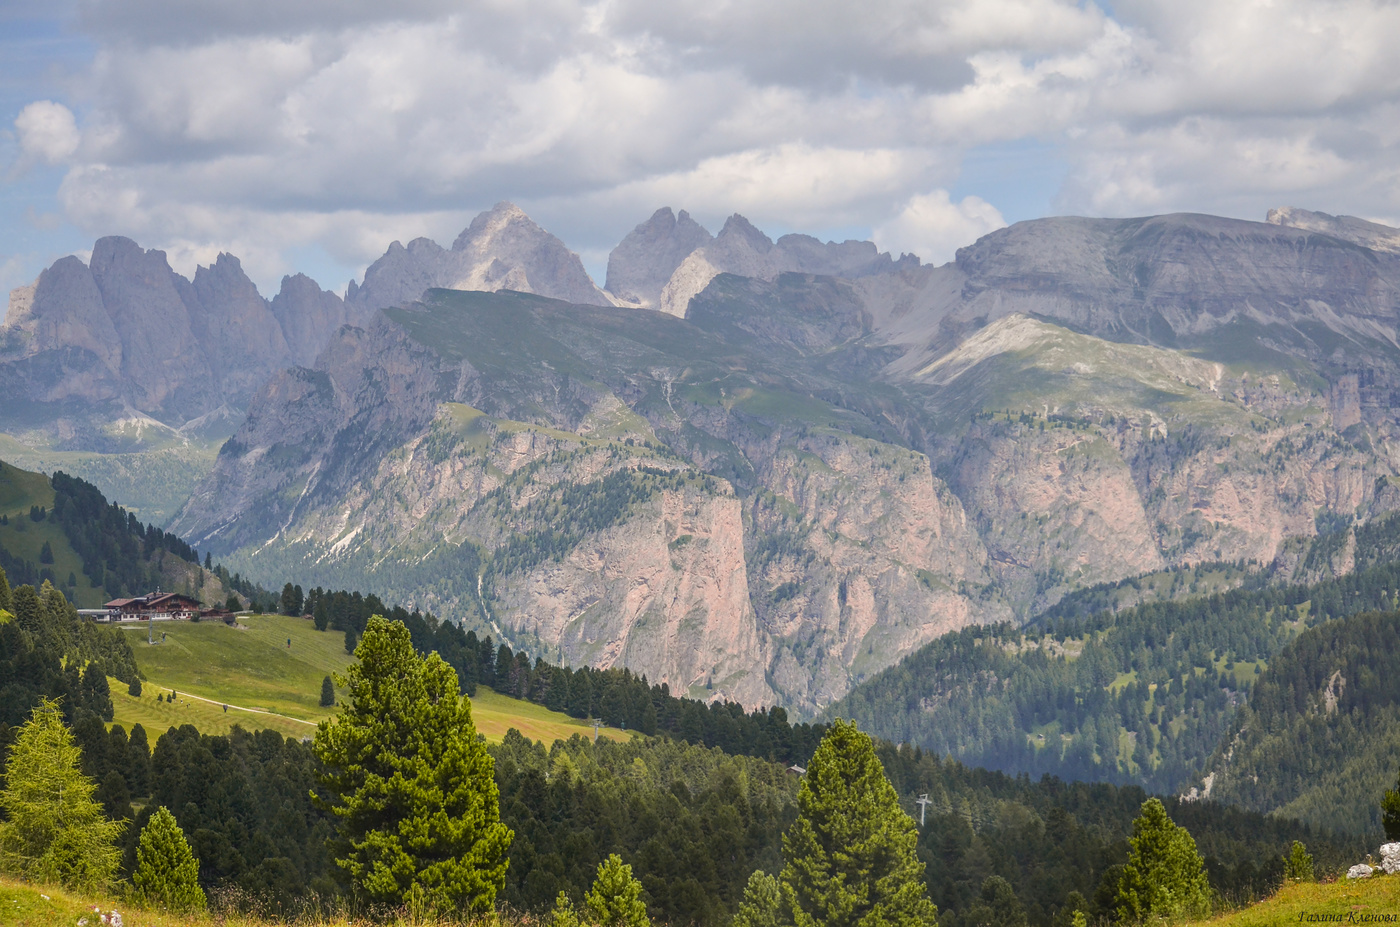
308, 315
502, 249
1368, 234
740, 248
643, 262
126, 327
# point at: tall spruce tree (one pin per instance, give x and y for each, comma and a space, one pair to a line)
850, 855
327, 693
167, 873
1165, 877
55, 831
413, 786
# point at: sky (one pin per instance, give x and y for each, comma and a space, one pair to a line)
307, 135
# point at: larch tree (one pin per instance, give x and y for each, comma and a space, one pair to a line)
850, 855
55, 830
411, 783
167, 873
1165, 877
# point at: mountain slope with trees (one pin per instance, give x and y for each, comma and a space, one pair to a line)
1144, 694
1319, 739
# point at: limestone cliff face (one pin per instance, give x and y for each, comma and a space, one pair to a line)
1057, 509
1243, 496
858, 555
665, 593
239, 333
502, 249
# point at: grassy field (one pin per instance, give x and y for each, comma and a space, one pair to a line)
268, 684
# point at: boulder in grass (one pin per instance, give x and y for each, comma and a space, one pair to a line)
1390, 858
1359, 871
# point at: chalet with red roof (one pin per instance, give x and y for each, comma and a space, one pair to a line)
154, 606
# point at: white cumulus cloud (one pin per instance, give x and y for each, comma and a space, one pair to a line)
47, 131
934, 227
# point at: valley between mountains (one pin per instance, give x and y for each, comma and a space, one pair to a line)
755, 470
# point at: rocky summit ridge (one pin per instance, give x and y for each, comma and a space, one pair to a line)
502, 249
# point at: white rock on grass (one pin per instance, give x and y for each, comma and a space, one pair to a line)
1390, 858
1359, 871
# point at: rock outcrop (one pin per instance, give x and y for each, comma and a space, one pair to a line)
1371, 235
502, 249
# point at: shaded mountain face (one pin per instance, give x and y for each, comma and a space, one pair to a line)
810, 475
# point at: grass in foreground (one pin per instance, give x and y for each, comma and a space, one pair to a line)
26, 905
1355, 901
251, 667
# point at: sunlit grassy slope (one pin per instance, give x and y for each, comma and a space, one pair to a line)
254, 667
1343, 901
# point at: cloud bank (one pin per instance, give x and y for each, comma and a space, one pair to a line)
267, 128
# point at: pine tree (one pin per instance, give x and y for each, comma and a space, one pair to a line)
412, 784
616, 897
327, 692
1390, 811
1298, 865
1165, 876
167, 873
850, 855
6, 602
563, 913
55, 831
762, 904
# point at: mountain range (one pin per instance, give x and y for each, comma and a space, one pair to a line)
754, 469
